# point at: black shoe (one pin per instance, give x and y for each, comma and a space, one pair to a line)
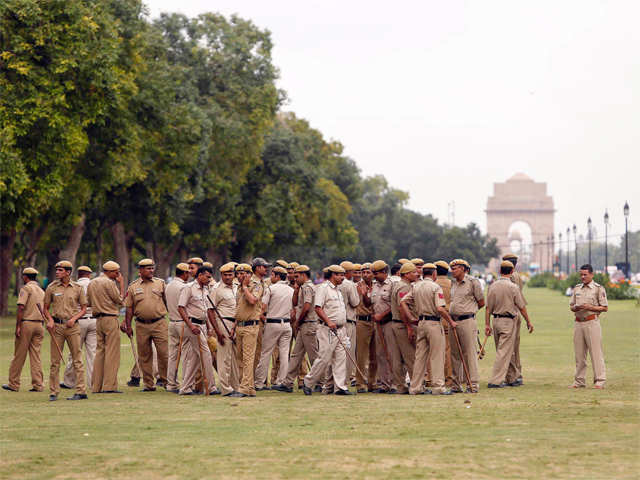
493, 385
8, 388
186, 394
134, 382
446, 392
261, 389
34, 390
53, 398
393, 391
456, 390
145, 389
306, 390
282, 388
173, 391
362, 390
65, 386
353, 383
111, 391
215, 392
343, 392
235, 395
380, 390
78, 396
515, 383
317, 389
250, 395
160, 383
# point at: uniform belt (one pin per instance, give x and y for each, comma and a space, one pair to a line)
248, 323
351, 321
464, 317
586, 319
503, 315
338, 327
176, 320
58, 320
197, 320
98, 315
85, 317
26, 320
433, 318
384, 322
309, 321
153, 320
231, 319
365, 318
278, 320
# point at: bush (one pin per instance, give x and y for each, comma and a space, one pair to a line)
615, 291
540, 280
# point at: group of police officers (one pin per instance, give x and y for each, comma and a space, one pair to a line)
404, 329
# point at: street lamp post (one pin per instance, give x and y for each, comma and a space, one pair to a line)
626, 239
552, 252
575, 251
606, 232
589, 236
568, 239
559, 253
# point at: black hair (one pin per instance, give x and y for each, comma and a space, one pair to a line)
82, 273
204, 269
588, 267
180, 272
427, 271
327, 275
505, 270
395, 268
383, 270
283, 276
307, 273
30, 276
441, 270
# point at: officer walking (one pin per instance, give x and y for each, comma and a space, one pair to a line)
176, 325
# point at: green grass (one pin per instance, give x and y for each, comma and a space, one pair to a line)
540, 430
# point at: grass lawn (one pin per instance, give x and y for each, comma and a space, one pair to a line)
540, 430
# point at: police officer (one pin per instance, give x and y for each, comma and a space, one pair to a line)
365, 333
515, 366
176, 324
29, 334
442, 270
351, 300
146, 300
194, 264
380, 301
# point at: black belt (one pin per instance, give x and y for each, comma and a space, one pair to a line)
25, 320
464, 317
176, 321
396, 321
351, 321
503, 315
248, 323
384, 322
85, 317
231, 319
433, 318
365, 318
278, 320
153, 320
58, 320
197, 320
98, 315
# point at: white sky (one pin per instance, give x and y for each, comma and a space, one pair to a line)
453, 96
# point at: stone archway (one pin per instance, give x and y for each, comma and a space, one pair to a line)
522, 200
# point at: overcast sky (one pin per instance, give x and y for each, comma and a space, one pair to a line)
445, 98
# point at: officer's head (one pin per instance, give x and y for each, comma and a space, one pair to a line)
336, 274
63, 269
278, 274
429, 271
111, 269
380, 270
442, 268
194, 264
226, 273
408, 272
302, 273
182, 271
506, 267
29, 274
357, 272
395, 268
203, 275
586, 273
512, 257
146, 267
84, 271
459, 268
367, 274
259, 266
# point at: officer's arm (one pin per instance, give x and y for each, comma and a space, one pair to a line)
128, 316
525, 314
443, 313
406, 313
251, 299
324, 318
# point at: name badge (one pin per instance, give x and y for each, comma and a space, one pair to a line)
57, 294
138, 290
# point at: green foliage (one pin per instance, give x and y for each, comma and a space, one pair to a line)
615, 290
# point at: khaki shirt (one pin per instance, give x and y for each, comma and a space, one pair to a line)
504, 297
224, 298
465, 296
307, 294
146, 297
172, 294
517, 279
381, 296
84, 283
103, 296
329, 298
425, 297
362, 309
30, 295
278, 298
351, 298
398, 291
244, 310
64, 301
193, 298
592, 293
445, 283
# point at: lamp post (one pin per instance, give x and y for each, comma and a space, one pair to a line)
626, 239
568, 239
575, 251
589, 223
559, 253
606, 231
552, 252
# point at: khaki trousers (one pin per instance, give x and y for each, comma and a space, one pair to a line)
88, 340
275, 359
176, 330
306, 342
353, 339
275, 334
448, 372
227, 362
196, 353
147, 336
504, 336
587, 338
134, 370
385, 380
256, 358
29, 341
332, 355
467, 332
62, 334
403, 354
366, 353
246, 342
515, 368
430, 349
107, 359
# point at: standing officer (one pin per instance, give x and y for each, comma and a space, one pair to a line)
467, 298
277, 303
365, 333
105, 301
29, 334
515, 367
224, 298
427, 299
68, 303
442, 269
357, 273
248, 313
331, 335
351, 300
194, 264
87, 324
176, 324
588, 301
380, 301
146, 300
503, 302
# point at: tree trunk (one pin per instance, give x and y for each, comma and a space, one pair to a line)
99, 250
70, 251
53, 257
7, 241
121, 250
164, 256
216, 257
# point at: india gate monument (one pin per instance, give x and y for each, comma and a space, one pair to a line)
520, 216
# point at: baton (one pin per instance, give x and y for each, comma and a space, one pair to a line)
52, 337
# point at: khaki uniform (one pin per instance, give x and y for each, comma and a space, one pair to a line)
445, 284
105, 302
248, 326
365, 345
465, 296
306, 339
403, 353
331, 353
515, 367
30, 339
425, 297
503, 301
224, 298
147, 300
87, 324
587, 333
196, 350
175, 331
381, 302
351, 300
65, 301
277, 331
